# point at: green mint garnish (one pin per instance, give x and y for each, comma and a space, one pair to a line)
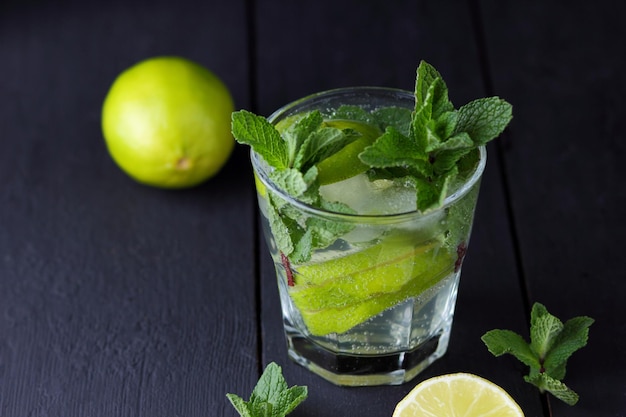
294, 156
425, 148
271, 396
551, 345
438, 137
256, 131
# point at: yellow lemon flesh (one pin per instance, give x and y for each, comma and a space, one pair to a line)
457, 395
166, 122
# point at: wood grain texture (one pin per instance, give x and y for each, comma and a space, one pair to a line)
305, 47
116, 299
122, 300
562, 65
382, 47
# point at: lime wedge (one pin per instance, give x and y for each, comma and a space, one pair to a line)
289, 121
346, 163
342, 319
260, 187
349, 290
377, 270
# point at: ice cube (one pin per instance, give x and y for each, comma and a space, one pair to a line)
370, 197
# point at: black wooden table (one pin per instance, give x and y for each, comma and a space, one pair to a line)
118, 299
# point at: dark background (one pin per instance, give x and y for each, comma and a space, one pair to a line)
121, 300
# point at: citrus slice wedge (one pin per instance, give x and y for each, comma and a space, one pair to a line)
457, 395
346, 163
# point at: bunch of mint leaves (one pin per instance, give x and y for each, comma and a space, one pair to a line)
426, 155
271, 396
439, 136
552, 342
293, 157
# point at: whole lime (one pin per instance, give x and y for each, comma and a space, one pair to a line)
166, 122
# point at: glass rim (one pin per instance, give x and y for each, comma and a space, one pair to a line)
336, 91
392, 217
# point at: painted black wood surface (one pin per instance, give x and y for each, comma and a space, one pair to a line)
122, 300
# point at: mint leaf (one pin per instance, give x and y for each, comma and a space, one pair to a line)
552, 344
297, 133
461, 140
431, 91
438, 138
325, 231
573, 336
438, 131
432, 192
303, 247
418, 131
436, 101
500, 342
284, 229
484, 119
321, 144
544, 330
257, 132
396, 117
384, 152
321, 232
445, 160
240, 405
555, 387
270, 387
271, 396
291, 180
295, 234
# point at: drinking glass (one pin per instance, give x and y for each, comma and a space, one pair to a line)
375, 305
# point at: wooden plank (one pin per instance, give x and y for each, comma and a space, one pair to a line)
562, 67
115, 298
304, 47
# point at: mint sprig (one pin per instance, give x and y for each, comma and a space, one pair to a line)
293, 157
256, 131
552, 342
425, 148
439, 136
271, 396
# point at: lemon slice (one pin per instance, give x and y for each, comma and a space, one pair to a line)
457, 395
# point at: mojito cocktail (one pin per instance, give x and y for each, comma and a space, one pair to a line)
367, 209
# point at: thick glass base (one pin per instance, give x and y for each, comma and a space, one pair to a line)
366, 369
390, 348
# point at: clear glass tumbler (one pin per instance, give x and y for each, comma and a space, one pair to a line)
375, 305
